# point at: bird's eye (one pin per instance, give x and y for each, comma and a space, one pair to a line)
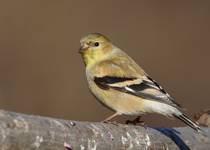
96, 44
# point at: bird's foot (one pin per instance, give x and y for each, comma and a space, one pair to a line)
108, 119
136, 121
110, 122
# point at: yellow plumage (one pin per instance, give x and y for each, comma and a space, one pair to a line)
122, 85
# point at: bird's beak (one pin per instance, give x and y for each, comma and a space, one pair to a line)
82, 48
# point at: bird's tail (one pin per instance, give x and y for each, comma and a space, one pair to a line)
189, 122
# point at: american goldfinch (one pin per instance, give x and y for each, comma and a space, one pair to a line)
120, 84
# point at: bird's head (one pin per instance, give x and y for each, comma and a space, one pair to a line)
94, 47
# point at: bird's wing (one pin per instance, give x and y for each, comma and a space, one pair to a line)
131, 79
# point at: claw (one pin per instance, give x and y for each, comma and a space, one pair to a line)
110, 122
136, 121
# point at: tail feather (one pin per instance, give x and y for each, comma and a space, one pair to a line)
189, 122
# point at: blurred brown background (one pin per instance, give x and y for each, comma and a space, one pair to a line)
41, 72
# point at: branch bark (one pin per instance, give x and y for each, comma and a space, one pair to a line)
27, 132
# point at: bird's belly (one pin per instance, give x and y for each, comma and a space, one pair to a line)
122, 103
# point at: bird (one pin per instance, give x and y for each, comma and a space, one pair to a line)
121, 85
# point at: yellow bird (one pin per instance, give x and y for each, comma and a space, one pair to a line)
119, 83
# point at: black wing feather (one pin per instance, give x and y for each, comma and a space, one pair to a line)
138, 90
103, 82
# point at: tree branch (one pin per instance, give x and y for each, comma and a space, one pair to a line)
26, 132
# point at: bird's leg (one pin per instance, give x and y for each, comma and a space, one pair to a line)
135, 121
108, 119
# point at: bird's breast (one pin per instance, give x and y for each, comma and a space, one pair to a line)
115, 100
